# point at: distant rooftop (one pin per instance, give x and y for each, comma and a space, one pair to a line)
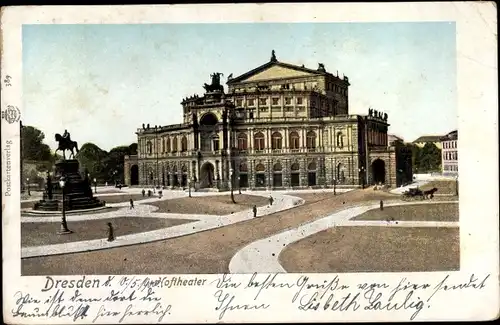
428, 138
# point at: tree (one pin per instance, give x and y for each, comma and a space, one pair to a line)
115, 161
133, 149
33, 147
429, 158
92, 158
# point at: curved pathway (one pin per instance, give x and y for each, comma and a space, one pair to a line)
263, 255
142, 209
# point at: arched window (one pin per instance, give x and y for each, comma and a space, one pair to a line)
260, 176
276, 140
215, 142
168, 145
242, 141
294, 140
260, 168
150, 147
311, 140
340, 140
258, 140
174, 144
277, 176
184, 144
243, 175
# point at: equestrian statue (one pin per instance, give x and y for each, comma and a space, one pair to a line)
65, 143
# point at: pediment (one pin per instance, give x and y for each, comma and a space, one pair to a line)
276, 72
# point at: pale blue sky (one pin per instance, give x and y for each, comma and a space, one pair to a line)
101, 82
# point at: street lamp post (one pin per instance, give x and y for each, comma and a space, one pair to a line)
95, 185
334, 186
456, 185
189, 186
362, 173
231, 184
28, 182
239, 185
64, 226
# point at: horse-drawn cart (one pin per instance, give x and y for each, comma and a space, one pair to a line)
413, 194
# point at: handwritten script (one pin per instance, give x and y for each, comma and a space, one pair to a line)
92, 299
334, 296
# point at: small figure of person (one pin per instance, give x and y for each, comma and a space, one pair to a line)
106, 184
120, 187
111, 235
154, 191
271, 200
254, 209
381, 205
149, 193
131, 203
160, 193
143, 193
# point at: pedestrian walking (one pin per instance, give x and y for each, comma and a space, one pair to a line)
111, 235
149, 193
381, 205
254, 209
131, 203
143, 193
160, 193
271, 200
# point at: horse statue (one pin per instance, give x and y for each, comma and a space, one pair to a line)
215, 85
66, 144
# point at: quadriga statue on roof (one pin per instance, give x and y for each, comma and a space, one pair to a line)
215, 85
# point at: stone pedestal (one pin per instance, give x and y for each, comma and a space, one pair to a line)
77, 190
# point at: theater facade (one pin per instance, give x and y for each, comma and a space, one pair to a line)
278, 126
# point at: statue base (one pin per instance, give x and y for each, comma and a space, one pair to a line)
77, 190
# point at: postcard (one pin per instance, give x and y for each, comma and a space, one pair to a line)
250, 163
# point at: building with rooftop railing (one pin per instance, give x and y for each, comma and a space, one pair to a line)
278, 126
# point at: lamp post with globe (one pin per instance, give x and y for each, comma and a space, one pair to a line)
231, 171
95, 185
28, 183
362, 175
64, 226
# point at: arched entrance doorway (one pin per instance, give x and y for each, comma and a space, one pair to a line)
311, 174
207, 175
134, 175
208, 133
378, 171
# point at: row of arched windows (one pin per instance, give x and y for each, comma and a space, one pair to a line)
277, 140
260, 168
169, 145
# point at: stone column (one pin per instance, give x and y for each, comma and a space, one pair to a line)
285, 173
251, 174
217, 174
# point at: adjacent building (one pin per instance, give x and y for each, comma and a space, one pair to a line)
449, 154
434, 139
392, 139
278, 126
